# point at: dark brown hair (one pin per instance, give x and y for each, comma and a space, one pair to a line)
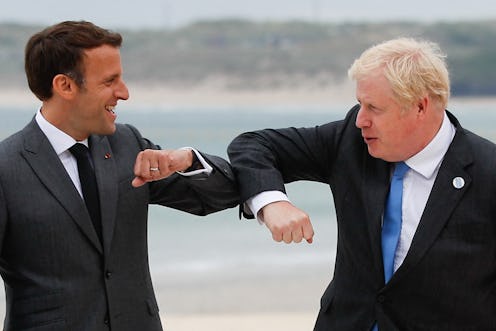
59, 49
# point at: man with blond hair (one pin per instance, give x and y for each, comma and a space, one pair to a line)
414, 195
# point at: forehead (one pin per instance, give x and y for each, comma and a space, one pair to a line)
373, 88
103, 59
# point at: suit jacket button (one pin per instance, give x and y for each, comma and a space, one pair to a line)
381, 298
108, 274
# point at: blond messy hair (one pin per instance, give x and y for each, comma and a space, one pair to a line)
413, 67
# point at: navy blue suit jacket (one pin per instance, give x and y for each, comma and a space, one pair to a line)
448, 278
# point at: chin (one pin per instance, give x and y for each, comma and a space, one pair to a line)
111, 130
107, 131
374, 153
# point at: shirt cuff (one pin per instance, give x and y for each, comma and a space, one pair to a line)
257, 202
207, 168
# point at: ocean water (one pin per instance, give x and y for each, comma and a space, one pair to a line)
186, 249
183, 243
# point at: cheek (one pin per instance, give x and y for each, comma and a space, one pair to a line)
397, 133
402, 135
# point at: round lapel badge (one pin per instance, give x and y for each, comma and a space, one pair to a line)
458, 182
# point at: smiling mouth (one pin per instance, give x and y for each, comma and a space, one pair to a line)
110, 109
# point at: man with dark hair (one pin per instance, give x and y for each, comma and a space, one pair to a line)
75, 189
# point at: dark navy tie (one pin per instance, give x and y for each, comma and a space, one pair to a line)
88, 184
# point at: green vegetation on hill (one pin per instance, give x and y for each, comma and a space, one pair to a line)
247, 55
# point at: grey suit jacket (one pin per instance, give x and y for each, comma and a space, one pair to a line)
57, 273
448, 278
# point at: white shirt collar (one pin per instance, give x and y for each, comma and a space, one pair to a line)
428, 160
60, 140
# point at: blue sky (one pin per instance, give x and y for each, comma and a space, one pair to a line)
172, 13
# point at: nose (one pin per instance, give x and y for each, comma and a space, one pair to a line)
122, 92
361, 120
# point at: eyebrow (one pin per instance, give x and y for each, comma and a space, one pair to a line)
111, 77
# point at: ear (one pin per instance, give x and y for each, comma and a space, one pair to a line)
64, 86
422, 106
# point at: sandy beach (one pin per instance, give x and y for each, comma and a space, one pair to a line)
280, 299
166, 97
296, 321
207, 96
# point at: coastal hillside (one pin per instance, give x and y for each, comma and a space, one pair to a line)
246, 55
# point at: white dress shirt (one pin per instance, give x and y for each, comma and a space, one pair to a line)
417, 185
61, 142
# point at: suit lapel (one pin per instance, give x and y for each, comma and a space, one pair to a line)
376, 186
42, 158
443, 198
106, 176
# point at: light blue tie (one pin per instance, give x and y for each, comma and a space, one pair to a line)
391, 227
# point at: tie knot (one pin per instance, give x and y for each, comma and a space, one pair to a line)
79, 150
400, 169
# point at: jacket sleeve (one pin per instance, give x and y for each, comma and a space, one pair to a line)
198, 194
267, 159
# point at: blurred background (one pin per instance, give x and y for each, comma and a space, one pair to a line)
200, 73
174, 13
262, 44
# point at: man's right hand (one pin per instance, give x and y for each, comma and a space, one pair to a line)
152, 165
286, 222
